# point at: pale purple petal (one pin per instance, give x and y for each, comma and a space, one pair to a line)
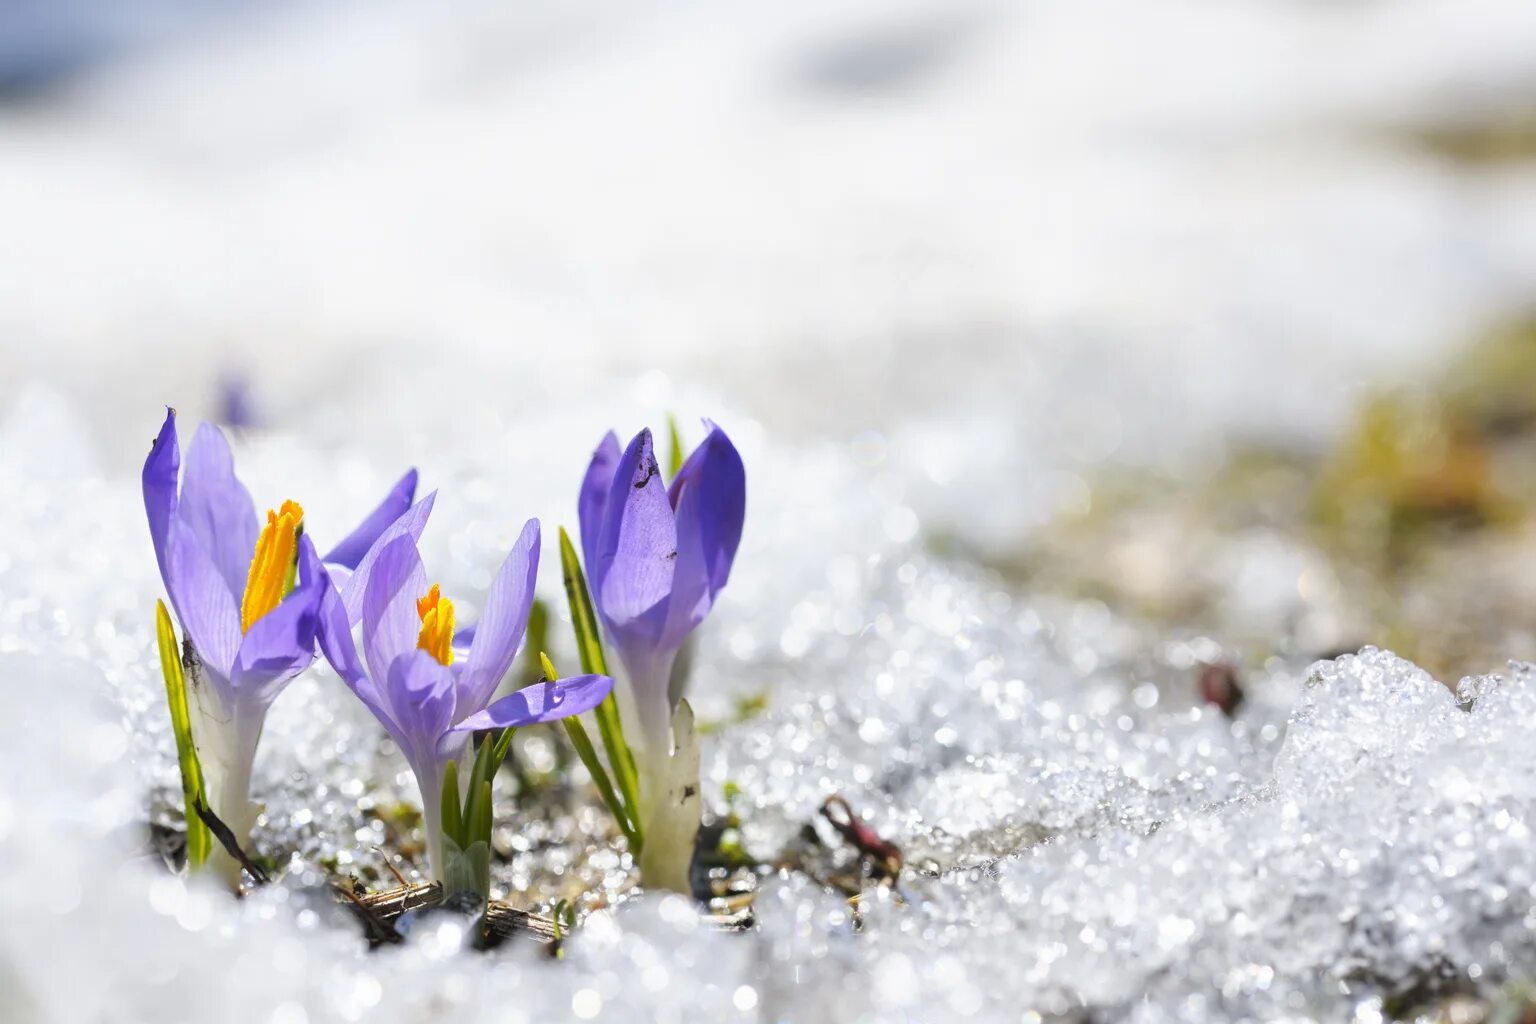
334, 634
218, 507
159, 482
408, 525
281, 643
203, 603
595, 488
499, 632
636, 548
395, 504
419, 693
710, 498
390, 621
541, 702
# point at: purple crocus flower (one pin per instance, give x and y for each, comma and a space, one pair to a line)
247, 597
429, 698
657, 557
235, 407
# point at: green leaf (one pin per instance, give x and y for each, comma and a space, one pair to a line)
612, 732
588, 754
466, 868
503, 745
199, 839
477, 824
535, 639
556, 918
675, 464
590, 645
482, 771
453, 820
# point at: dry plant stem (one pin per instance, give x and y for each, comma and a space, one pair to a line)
502, 919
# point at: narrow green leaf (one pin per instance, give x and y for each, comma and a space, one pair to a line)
676, 462
466, 868
535, 639
453, 819
477, 824
199, 840
588, 754
556, 918
489, 817
590, 645
623, 813
481, 771
612, 732
479, 855
499, 753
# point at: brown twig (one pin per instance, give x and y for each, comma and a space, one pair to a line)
379, 929
390, 864
883, 855
226, 839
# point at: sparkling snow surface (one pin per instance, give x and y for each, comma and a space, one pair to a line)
925, 286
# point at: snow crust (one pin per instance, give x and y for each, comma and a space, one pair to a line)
928, 263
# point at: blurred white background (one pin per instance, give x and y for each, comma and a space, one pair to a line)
1004, 237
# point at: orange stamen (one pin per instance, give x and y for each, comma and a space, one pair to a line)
436, 637
272, 566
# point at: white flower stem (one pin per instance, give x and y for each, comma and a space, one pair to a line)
226, 742
667, 760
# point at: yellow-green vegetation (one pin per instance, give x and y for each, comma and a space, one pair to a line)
1413, 530
1408, 464
1498, 137
1493, 386
744, 708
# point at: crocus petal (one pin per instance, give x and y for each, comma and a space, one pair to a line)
499, 632
710, 498
395, 504
595, 488
281, 643
202, 600
334, 635
391, 623
463, 638
636, 547
235, 408
159, 481
408, 525
419, 693
541, 702
218, 507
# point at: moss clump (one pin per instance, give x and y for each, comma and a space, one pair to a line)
1408, 465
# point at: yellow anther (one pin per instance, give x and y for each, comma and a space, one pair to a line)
273, 565
436, 637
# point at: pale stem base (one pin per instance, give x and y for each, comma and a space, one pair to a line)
672, 820
226, 742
